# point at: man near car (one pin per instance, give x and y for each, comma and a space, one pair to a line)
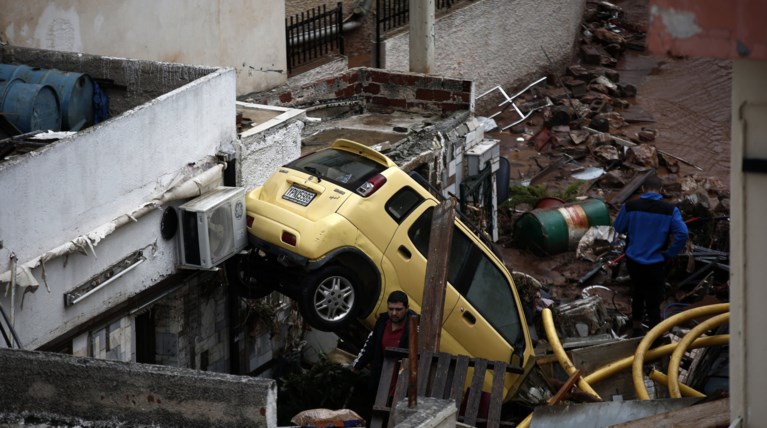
648, 221
391, 330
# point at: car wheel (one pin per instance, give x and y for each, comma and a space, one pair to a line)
330, 298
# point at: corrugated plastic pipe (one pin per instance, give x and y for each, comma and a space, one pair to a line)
676, 357
656, 332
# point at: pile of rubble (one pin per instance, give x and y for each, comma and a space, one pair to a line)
580, 135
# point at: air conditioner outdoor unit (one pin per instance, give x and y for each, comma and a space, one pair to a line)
212, 228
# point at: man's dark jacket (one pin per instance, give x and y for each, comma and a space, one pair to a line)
372, 352
648, 221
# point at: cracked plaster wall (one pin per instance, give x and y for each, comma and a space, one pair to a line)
245, 35
497, 42
81, 182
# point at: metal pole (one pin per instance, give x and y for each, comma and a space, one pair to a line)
13, 289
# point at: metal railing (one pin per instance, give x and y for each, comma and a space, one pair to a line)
393, 14
313, 34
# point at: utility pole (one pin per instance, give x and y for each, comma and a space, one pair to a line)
422, 36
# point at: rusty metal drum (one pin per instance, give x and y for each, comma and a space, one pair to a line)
553, 230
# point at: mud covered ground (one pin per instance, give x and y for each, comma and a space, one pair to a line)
686, 100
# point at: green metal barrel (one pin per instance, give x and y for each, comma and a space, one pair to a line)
555, 230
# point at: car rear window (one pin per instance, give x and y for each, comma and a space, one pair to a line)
345, 169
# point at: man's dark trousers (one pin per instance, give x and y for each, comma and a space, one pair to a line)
647, 290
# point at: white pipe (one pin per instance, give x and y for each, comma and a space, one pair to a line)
110, 280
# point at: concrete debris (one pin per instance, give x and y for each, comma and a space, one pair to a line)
644, 155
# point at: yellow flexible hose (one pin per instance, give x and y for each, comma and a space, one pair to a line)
559, 352
676, 357
624, 363
618, 366
564, 361
652, 335
662, 379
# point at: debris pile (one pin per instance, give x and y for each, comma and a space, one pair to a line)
583, 138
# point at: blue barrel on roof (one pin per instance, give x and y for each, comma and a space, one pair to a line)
30, 106
74, 91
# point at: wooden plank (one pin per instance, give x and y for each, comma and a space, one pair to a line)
472, 403
629, 189
441, 376
442, 225
399, 393
706, 415
496, 395
424, 366
384, 382
459, 379
568, 385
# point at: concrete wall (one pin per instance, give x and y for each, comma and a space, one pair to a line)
269, 145
82, 182
497, 42
119, 394
248, 36
748, 244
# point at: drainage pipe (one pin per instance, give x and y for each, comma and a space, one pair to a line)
662, 379
559, 352
676, 357
656, 332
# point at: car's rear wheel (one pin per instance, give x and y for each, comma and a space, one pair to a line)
330, 298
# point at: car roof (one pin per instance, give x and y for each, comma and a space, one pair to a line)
362, 150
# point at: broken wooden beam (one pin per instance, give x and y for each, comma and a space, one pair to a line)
630, 188
440, 239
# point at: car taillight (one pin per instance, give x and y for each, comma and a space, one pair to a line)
371, 185
288, 238
249, 219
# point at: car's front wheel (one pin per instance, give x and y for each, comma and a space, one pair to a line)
330, 298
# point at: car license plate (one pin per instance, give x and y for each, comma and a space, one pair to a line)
299, 196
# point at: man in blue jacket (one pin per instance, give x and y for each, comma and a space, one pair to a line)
647, 222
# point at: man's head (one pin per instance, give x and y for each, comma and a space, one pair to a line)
652, 184
397, 306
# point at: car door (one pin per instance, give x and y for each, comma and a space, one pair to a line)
486, 320
405, 257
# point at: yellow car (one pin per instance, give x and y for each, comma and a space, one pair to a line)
344, 226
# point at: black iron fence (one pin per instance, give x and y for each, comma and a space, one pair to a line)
313, 34
393, 14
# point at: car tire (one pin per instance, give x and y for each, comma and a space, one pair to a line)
330, 298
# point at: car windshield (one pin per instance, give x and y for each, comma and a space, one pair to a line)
345, 169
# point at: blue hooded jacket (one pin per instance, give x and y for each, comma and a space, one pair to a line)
648, 221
